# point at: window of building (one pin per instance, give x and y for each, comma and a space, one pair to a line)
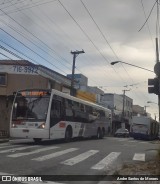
3, 79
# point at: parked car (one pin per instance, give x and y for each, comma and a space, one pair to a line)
121, 133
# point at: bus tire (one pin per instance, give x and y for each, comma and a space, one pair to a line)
68, 134
37, 140
99, 133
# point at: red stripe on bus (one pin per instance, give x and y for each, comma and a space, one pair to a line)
62, 124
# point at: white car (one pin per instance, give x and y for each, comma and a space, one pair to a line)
122, 133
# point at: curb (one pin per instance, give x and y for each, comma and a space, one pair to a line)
4, 140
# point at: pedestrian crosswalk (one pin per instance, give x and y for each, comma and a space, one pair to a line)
69, 156
80, 157
40, 153
139, 156
55, 154
32, 152
16, 149
106, 161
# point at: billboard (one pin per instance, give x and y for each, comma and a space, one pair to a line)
91, 97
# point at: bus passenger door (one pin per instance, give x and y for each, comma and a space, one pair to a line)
55, 116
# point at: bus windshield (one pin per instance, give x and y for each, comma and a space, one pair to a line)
30, 108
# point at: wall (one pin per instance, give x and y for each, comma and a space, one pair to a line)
138, 110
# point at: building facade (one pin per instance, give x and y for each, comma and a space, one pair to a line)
121, 106
22, 74
138, 110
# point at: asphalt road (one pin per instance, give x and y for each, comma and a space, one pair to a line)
78, 158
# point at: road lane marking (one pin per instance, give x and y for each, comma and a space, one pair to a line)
129, 144
32, 152
107, 161
133, 141
8, 146
123, 139
139, 157
17, 149
2, 173
144, 142
56, 154
80, 157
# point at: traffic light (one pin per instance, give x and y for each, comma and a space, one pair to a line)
153, 86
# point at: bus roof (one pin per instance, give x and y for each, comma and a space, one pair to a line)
78, 100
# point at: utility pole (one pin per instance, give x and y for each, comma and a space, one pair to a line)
145, 109
157, 67
155, 117
124, 91
75, 54
157, 61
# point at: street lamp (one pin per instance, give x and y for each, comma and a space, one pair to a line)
145, 110
145, 107
152, 102
115, 62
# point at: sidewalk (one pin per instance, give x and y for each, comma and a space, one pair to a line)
146, 170
2, 140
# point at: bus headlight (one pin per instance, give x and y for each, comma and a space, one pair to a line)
14, 125
42, 126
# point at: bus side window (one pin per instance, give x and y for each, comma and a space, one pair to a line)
76, 106
96, 113
55, 111
69, 112
82, 107
89, 111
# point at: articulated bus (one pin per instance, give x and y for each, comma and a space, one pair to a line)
50, 114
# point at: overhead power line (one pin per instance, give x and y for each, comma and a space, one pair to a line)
104, 37
22, 34
99, 28
34, 52
147, 22
22, 8
32, 35
148, 16
10, 52
5, 56
87, 36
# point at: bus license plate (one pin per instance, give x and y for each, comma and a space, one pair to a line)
25, 130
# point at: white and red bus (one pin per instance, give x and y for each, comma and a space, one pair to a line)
51, 114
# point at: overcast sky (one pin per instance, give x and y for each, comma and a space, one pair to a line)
46, 31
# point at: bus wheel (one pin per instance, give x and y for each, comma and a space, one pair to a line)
37, 140
103, 133
68, 134
99, 133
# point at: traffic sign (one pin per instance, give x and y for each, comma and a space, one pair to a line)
153, 86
